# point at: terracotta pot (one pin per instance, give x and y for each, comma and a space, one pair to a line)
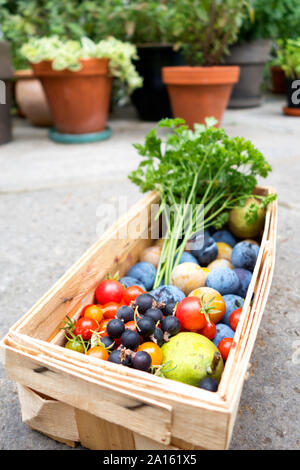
278, 80
199, 92
31, 98
79, 101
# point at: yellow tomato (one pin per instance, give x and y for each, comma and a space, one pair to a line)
154, 350
99, 352
224, 251
95, 312
206, 294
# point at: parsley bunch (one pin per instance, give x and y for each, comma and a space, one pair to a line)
203, 174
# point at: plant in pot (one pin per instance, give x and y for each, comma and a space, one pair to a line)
77, 78
252, 51
288, 12
149, 26
19, 22
289, 59
205, 30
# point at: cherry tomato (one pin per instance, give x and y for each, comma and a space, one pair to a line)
85, 327
211, 295
189, 314
130, 325
154, 350
225, 346
95, 312
99, 352
209, 330
102, 327
75, 345
109, 290
84, 309
110, 309
234, 318
131, 293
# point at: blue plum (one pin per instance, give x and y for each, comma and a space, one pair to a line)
167, 293
245, 277
224, 280
203, 247
225, 236
128, 281
232, 302
223, 331
188, 258
143, 272
244, 255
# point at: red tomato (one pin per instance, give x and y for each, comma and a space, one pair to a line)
85, 327
131, 293
109, 290
95, 312
110, 309
102, 327
209, 330
130, 325
189, 314
234, 318
225, 346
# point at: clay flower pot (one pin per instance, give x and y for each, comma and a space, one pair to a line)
31, 99
199, 92
278, 80
79, 101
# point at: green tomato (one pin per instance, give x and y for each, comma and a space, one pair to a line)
75, 345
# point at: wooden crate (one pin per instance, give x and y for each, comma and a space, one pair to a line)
76, 398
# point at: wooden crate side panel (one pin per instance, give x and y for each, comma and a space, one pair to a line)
47, 415
200, 426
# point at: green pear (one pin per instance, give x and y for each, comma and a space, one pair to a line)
238, 225
190, 357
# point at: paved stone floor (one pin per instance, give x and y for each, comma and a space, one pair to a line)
51, 201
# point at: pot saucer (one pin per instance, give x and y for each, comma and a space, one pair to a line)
79, 138
291, 111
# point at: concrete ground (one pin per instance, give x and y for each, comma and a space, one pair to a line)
51, 201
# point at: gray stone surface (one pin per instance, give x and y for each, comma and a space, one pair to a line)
51, 198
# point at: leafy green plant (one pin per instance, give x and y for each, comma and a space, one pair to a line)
205, 29
288, 57
272, 19
137, 21
22, 19
67, 55
204, 172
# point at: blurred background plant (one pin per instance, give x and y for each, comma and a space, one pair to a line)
271, 19
206, 29
289, 57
